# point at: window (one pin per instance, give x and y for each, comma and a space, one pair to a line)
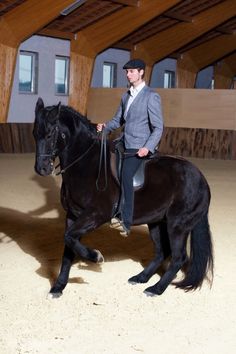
62, 75
169, 79
28, 72
109, 74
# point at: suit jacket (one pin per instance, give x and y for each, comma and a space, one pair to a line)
143, 123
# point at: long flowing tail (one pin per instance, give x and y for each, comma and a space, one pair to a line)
201, 257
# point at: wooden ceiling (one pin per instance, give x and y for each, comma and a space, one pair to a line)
93, 11
197, 33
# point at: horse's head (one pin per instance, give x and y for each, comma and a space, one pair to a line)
49, 137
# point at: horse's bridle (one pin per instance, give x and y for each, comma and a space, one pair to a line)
103, 156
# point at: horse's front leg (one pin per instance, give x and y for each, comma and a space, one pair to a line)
62, 280
75, 231
73, 247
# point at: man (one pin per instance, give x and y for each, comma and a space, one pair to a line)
140, 115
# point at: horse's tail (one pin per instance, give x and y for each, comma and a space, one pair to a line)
201, 257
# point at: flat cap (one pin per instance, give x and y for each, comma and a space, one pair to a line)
135, 64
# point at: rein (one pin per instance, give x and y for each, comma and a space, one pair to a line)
103, 156
73, 162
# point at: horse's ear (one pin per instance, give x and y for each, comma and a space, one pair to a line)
59, 108
39, 105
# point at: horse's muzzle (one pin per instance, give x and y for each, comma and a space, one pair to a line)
44, 167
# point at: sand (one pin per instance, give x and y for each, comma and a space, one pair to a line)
100, 312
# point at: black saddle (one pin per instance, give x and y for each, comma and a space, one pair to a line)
139, 177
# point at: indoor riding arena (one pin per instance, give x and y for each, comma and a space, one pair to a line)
73, 52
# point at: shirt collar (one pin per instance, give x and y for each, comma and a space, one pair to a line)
135, 90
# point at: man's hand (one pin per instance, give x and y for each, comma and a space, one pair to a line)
142, 152
100, 126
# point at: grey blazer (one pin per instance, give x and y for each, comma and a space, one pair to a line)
143, 123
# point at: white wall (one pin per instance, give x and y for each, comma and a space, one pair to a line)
22, 105
118, 56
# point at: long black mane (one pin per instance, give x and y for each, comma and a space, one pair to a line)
68, 113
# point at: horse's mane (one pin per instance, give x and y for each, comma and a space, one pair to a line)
78, 116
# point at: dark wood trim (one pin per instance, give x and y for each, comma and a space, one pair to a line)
187, 142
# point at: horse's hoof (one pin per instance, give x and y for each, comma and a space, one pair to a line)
137, 279
152, 291
56, 295
100, 258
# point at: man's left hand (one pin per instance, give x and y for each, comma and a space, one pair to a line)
142, 152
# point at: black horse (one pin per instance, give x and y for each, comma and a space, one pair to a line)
173, 201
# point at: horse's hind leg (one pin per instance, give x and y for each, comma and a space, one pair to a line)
62, 280
160, 255
178, 259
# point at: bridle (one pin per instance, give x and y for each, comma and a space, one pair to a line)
102, 158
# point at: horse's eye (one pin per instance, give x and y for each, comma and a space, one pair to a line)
63, 135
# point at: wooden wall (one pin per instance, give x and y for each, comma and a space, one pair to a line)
16, 138
198, 123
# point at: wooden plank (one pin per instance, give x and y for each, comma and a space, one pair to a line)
166, 42
16, 138
7, 64
187, 142
182, 108
200, 143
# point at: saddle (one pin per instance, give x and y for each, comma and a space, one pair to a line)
116, 159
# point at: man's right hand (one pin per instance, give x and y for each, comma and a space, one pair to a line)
100, 126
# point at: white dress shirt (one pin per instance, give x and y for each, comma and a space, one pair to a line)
133, 91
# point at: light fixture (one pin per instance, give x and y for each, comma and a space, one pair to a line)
72, 7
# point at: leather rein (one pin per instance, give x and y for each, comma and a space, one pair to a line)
102, 158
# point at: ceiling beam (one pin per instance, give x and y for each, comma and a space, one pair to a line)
166, 42
127, 2
224, 72
209, 52
28, 18
224, 30
178, 16
102, 34
56, 34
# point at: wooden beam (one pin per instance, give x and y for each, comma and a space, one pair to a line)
195, 59
28, 18
56, 34
177, 16
224, 30
186, 72
103, 34
81, 68
15, 26
162, 44
127, 2
224, 73
7, 64
211, 51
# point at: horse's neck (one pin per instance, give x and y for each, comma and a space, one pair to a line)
82, 147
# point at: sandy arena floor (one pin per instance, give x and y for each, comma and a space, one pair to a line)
99, 311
